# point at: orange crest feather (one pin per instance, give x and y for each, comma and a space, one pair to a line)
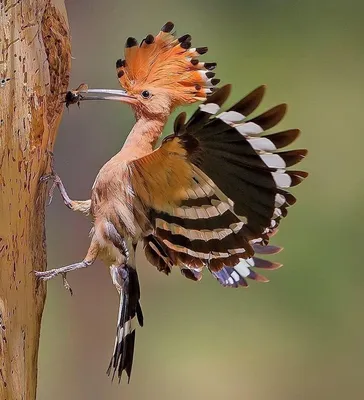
167, 63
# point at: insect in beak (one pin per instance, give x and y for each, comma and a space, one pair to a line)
83, 93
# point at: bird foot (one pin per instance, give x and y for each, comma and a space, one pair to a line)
47, 275
56, 182
52, 273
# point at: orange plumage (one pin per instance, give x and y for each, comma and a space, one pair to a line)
167, 64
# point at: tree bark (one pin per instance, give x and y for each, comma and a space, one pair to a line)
35, 62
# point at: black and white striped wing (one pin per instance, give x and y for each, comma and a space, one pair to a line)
238, 194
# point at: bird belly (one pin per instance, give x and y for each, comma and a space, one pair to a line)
110, 254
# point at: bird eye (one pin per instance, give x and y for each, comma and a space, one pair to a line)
145, 94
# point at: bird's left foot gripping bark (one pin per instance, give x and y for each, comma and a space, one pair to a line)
56, 181
52, 273
126, 280
75, 205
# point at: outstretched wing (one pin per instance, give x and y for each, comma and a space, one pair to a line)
216, 189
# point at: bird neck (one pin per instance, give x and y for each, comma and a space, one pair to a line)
143, 136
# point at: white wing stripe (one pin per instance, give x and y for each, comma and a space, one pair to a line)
249, 128
210, 108
262, 143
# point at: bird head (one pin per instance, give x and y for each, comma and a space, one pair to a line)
160, 74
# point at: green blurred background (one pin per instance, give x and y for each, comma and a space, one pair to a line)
298, 337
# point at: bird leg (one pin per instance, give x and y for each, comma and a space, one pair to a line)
52, 273
75, 205
116, 277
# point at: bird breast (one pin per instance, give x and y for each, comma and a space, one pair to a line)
113, 201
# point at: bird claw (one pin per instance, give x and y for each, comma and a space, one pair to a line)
66, 284
53, 176
44, 276
56, 182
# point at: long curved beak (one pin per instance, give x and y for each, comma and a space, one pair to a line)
106, 94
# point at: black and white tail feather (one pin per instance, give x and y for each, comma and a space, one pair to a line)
240, 193
129, 314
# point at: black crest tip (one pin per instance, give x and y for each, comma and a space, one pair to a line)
202, 50
149, 39
186, 45
168, 27
184, 38
120, 63
131, 42
210, 66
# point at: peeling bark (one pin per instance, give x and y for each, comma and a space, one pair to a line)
35, 60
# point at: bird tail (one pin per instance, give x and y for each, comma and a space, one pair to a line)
129, 313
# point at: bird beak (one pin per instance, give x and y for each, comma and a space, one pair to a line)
106, 94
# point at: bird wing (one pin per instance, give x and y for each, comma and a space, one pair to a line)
161, 178
216, 188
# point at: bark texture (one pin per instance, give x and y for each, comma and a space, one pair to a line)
35, 60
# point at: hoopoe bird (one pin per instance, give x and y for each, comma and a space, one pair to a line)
208, 198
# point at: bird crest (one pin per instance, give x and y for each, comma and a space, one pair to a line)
169, 64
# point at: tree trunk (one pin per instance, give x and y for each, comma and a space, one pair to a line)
35, 62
